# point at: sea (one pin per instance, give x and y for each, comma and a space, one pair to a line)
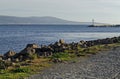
16, 37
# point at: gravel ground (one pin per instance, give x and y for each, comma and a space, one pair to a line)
104, 65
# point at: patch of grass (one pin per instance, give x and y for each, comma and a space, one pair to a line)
14, 75
69, 51
33, 56
62, 56
95, 49
104, 47
22, 70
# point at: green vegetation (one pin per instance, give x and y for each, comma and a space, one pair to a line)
73, 53
63, 56
24, 69
33, 56
13, 76
19, 70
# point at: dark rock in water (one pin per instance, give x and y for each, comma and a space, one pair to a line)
9, 54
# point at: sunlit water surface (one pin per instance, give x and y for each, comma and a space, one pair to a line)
18, 36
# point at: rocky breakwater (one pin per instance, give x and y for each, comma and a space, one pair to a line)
34, 50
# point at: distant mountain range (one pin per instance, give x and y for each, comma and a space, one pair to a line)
39, 20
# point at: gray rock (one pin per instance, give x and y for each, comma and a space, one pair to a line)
1, 57
32, 45
9, 54
61, 41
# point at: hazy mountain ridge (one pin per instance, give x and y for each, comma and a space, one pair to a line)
38, 20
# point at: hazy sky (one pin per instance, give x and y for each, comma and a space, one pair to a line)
106, 11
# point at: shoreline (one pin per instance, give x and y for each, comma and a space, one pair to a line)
104, 26
60, 46
36, 56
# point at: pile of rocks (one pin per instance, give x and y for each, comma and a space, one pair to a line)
85, 44
60, 46
32, 49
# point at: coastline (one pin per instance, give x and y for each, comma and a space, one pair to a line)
40, 57
104, 26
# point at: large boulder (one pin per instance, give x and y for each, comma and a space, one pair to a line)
1, 57
61, 41
81, 42
32, 45
30, 49
9, 54
45, 51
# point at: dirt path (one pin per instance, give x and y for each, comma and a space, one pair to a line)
104, 65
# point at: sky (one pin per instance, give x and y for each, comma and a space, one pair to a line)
104, 11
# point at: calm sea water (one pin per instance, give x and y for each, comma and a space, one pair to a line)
17, 37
